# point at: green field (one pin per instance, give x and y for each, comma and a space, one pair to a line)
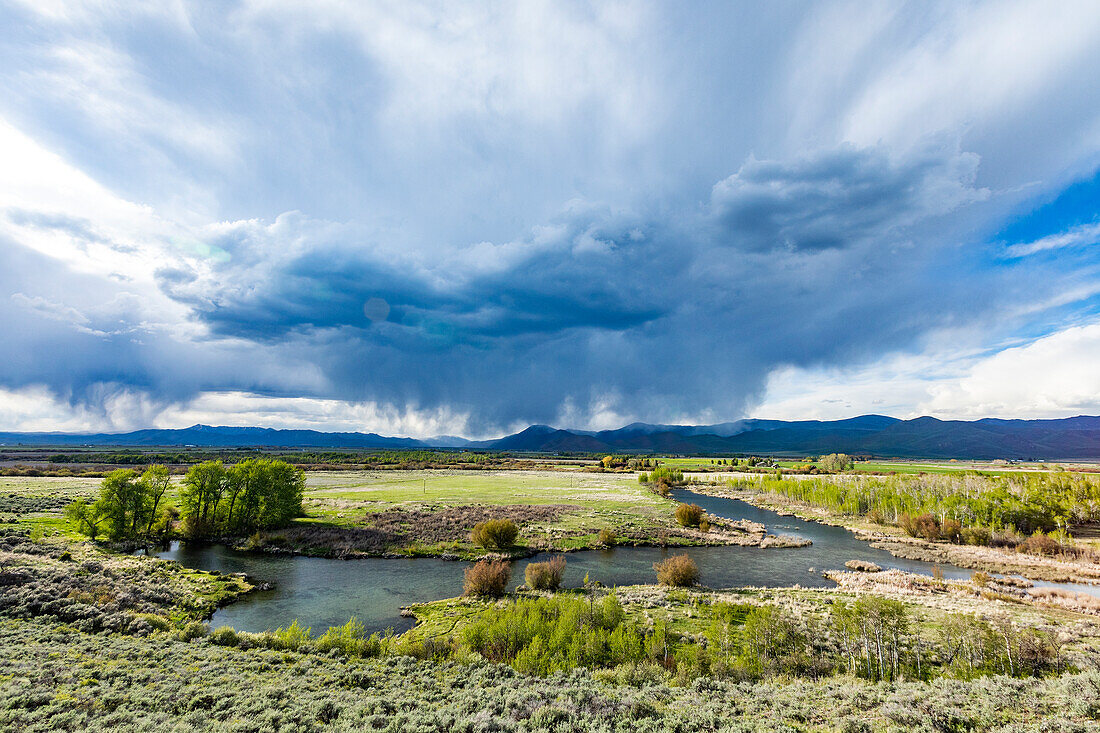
453, 487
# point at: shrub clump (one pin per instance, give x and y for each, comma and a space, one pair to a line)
192, 630
608, 538
924, 525
976, 536
679, 571
495, 533
1041, 544
224, 636
951, 530
487, 578
689, 515
545, 575
662, 479
351, 640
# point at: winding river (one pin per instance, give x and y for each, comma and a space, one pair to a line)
321, 592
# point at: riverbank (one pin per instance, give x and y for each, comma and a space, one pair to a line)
438, 534
893, 540
929, 603
52, 678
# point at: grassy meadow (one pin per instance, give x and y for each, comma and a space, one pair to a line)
415, 512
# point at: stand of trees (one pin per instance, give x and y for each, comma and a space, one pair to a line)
213, 500
1024, 502
245, 497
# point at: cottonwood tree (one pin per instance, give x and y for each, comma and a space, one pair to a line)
247, 496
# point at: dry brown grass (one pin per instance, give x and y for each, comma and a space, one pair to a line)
1073, 600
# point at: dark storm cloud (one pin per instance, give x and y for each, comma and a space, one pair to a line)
657, 310
838, 198
591, 271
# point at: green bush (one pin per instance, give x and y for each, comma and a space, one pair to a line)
608, 538
976, 535
666, 475
545, 635
495, 534
193, 630
487, 578
678, 571
224, 636
689, 515
157, 622
545, 575
351, 640
292, 637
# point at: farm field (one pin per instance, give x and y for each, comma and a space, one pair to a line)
555, 509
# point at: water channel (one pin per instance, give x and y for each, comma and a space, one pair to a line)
322, 592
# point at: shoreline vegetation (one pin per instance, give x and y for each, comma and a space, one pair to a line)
1055, 557
99, 640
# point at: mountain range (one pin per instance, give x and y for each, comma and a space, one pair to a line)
1075, 438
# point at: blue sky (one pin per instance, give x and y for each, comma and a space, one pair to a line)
438, 218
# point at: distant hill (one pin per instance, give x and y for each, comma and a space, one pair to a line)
1076, 438
215, 437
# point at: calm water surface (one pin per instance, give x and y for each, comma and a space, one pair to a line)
321, 592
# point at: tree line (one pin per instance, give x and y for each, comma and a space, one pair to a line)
1021, 502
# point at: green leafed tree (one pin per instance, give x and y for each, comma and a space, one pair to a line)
130, 505
245, 497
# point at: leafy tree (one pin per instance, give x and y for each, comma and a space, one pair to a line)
251, 495
836, 462
88, 518
156, 480
128, 505
200, 495
124, 502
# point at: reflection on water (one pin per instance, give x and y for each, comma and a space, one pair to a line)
321, 592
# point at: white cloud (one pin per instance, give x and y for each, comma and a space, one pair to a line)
536, 61
36, 408
979, 60
1053, 376
1075, 237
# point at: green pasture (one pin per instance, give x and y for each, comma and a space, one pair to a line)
455, 487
